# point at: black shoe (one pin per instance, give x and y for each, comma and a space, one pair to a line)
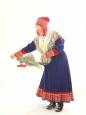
59, 107
51, 105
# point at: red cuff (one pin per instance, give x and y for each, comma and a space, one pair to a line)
19, 53
55, 52
52, 53
23, 51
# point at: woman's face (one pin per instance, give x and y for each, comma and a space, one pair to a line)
39, 30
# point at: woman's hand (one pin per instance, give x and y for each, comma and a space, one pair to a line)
12, 56
48, 54
51, 53
44, 56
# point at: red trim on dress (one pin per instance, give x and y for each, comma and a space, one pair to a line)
55, 96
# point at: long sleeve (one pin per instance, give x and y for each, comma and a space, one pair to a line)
59, 46
29, 48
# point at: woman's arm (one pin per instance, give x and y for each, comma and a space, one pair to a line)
29, 48
59, 46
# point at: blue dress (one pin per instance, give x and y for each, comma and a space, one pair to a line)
55, 84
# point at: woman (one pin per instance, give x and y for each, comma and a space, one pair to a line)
55, 85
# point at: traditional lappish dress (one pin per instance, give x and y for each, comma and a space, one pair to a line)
55, 84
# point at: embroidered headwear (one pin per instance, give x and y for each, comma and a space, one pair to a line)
43, 21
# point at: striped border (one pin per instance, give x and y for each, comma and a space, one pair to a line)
55, 97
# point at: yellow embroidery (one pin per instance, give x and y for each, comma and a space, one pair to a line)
43, 45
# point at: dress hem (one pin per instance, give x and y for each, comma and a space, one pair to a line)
55, 97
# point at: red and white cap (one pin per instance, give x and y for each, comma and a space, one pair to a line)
43, 21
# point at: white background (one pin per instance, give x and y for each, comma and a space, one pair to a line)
17, 28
